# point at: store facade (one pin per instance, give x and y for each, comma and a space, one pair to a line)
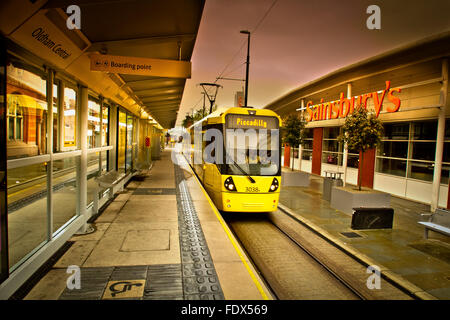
407, 90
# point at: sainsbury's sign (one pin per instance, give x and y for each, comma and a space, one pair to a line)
345, 106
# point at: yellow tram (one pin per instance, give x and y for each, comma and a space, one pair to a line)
236, 155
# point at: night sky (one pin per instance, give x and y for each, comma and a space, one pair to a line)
297, 42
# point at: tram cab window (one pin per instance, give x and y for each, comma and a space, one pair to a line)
253, 150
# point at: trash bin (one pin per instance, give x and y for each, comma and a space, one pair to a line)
328, 184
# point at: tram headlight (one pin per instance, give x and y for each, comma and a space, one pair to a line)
229, 184
274, 185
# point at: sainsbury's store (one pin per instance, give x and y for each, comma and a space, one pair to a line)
407, 90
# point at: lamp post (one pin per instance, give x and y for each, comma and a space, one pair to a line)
247, 63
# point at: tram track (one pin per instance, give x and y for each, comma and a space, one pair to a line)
297, 263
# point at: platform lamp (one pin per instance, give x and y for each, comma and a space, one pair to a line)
247, 63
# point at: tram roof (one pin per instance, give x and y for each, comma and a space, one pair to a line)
222, 111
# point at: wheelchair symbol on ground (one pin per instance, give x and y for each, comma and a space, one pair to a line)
124, 289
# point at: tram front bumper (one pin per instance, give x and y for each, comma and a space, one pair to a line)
250, 202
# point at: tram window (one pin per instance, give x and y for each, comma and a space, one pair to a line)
258, 156
70, 103
26, 112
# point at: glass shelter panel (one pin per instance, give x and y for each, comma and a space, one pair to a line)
65, 191
70, 117
27, 211
94, 126
129, 153
121, 141
55, 118
26, 112
92, 172
105, 125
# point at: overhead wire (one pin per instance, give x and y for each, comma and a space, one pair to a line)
243, 42
239, 50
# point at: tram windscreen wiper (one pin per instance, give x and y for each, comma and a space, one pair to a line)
242, 170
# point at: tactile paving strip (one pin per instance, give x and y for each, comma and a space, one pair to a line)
200, 281
162, 282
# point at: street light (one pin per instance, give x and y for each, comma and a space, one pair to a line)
248, 63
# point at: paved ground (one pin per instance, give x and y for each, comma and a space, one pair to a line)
136, 252
402, 249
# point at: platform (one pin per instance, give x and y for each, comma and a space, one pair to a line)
419, 265
161, 238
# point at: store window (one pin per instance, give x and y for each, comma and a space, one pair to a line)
94, 125
70, 117
353, 159
422, 150
332, 150
26, 111
408, 150
392, 154
446, 155
307, 146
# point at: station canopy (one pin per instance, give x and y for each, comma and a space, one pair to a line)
145, 29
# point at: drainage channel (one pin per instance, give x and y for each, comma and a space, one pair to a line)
200, 280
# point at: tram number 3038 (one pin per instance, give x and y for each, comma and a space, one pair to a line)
251, 189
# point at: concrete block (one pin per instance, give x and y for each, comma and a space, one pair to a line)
295, 179
345, 199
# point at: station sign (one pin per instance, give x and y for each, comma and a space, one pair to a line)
141, 66
43, 38
345, 106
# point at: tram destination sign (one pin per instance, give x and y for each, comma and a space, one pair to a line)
141, 66
239, 121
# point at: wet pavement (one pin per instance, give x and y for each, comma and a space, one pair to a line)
402, 249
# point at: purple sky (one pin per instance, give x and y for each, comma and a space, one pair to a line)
297, 42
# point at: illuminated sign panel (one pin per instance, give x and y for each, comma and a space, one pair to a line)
239, 121
43, 38
141, 66
344, 106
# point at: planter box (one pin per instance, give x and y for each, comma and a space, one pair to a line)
294, 179
345, 199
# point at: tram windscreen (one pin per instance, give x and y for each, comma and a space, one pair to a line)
252, 145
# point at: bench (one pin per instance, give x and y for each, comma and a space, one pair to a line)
109, 181
439, 222
333, 174
141, 170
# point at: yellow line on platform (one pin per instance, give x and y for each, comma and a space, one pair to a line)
227, 231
